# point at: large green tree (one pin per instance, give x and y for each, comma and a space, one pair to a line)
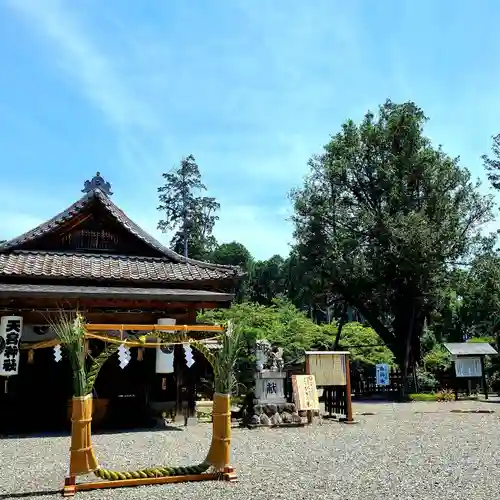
382, 217
232, 254
268, 280
480, 297
236, 254
187, 211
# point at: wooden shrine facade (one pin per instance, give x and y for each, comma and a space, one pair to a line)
92, 258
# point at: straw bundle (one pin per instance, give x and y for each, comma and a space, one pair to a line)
223, 363
71, 334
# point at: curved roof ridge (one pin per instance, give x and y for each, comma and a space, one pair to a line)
121, 218
48, 225
125, 220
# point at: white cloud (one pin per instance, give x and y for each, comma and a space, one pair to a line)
137, 81
87, 63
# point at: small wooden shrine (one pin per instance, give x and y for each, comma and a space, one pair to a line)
468, 363
93, 259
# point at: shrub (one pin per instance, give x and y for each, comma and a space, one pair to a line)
445, 395
426, 381
437, 360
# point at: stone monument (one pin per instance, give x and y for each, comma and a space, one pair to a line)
270, 405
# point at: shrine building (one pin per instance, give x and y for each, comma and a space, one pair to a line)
93, 259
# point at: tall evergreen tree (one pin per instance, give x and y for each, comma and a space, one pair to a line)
382, 218
186, 211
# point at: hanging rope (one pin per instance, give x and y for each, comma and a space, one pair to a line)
150, 472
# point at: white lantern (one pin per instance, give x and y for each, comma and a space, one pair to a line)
165, 354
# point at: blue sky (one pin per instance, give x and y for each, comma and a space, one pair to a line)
251, 88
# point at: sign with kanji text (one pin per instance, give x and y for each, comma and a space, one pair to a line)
468, 367
382, 374
11, 328
305, 393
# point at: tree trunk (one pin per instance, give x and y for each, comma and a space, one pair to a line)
342, 322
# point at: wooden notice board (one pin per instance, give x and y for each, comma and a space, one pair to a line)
329, 368
305, 393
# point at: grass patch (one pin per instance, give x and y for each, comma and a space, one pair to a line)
433, 396
422, 397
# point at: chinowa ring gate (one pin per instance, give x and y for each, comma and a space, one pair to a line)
93, 259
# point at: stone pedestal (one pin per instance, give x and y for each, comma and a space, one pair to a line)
270, 387
270, 406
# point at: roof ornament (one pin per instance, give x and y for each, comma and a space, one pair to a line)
97, 182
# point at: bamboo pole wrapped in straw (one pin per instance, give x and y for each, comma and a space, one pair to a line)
82, 458
71, 334
219, 453
223, 363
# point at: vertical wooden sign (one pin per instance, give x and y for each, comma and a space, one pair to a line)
305, 393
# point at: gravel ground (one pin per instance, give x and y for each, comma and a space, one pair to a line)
405, 451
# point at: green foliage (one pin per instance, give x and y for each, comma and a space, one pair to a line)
437, 360
232, 254
236, 254
285, 326
492, 163
268, 280
70, 331
426, 396
186, 211
224, 360
481, 340
426, 381
381, 218
438, 396
480, 296
428, 340
445, 396
281, 323
363, 343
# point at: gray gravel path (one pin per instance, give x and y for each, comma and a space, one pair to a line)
408, 451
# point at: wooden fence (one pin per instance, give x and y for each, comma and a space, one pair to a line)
363, 385
335, 400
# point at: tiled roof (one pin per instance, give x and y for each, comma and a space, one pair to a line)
97, 266
42, 264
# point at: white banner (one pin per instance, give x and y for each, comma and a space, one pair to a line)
165, 355
11, 328
468, 367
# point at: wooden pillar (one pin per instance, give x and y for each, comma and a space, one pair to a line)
455, 379
348, 389
308, 372
483, 376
